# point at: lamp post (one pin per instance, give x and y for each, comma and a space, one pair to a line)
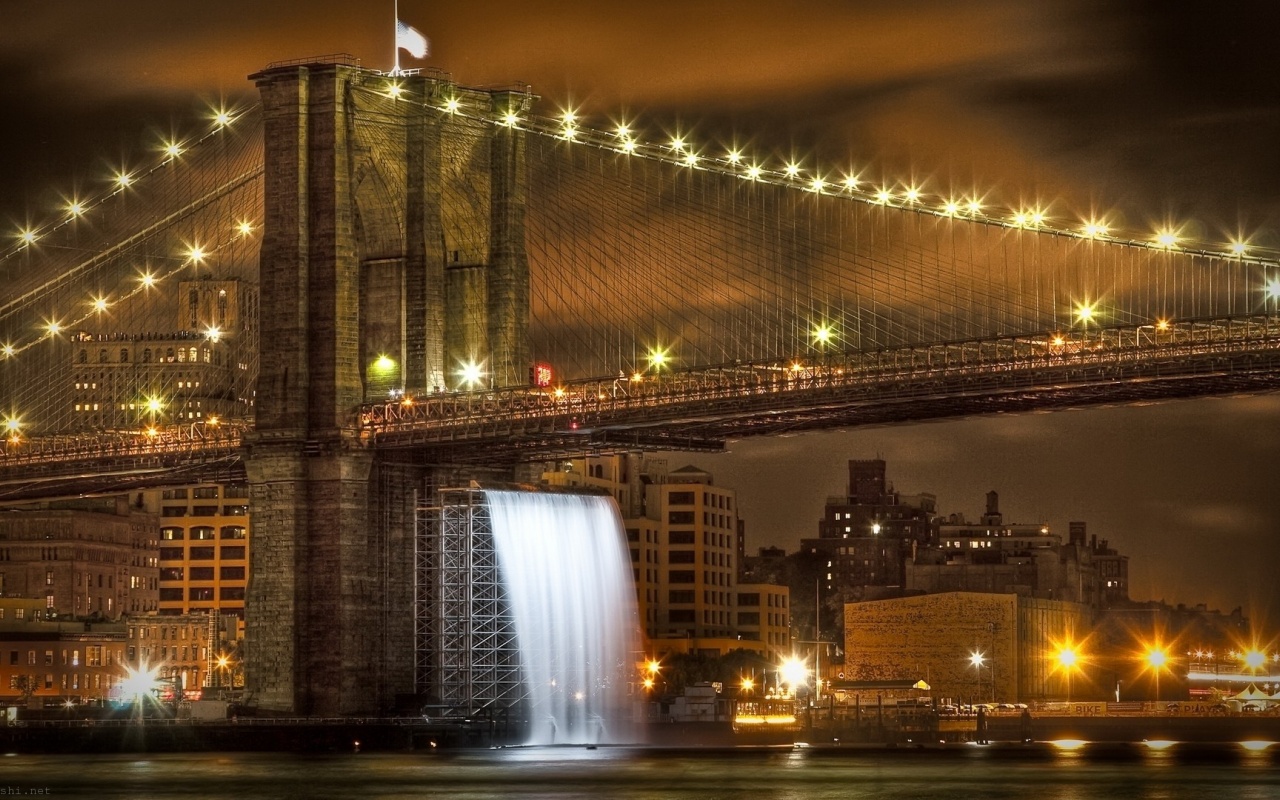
977, 660
1067, 658
222, 663
1157, 658
993, 627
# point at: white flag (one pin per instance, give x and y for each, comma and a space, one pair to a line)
409, 39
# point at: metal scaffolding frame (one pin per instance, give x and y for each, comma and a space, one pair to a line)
466, 657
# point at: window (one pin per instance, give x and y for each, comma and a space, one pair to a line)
680, 596
205, 492
173, 494
204, 511
171, 594
202, 553
235, 511
680, 537
202, 534
171, 573
232, 554
633, 534
201, 573
171, 534
680, 576
124, 355
680, 498
748, 617
232, 532
682, 615
231, 593
173, 511
170, 553
48, 577
231, 573
680, 517
48, 658
749, 599
235, 490
201, 593
680, 557
146, 356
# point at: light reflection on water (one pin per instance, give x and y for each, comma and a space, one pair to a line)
630, 773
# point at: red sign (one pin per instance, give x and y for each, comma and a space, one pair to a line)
540, 374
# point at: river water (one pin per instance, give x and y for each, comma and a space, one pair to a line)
785, 774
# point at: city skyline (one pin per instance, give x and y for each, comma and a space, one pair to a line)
1059, 110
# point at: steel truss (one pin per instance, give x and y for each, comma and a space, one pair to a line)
466, 657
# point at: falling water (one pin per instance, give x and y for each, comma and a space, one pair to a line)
568, 577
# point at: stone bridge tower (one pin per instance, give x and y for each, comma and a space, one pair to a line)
392, 255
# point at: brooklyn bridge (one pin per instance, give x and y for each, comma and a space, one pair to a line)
373, 285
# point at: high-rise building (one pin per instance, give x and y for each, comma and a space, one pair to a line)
868, 534
685, 539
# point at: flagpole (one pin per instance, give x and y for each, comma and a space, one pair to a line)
395, 36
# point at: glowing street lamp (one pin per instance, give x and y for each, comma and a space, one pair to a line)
657, 358
1068, 659
793, 673
822, 335
748, 685
472, 374
139, 684
978, 660
1085, 313
1157, 659
1255, 659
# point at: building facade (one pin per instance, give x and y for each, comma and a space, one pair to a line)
972, 647
204, 533
84, 558
47, 659
197, 373
180, 650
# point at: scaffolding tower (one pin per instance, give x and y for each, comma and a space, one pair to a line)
466, 658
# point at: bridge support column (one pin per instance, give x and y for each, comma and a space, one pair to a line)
368, 194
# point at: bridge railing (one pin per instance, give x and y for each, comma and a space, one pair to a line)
571, 403
18, 451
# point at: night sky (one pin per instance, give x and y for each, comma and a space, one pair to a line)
1155, 114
